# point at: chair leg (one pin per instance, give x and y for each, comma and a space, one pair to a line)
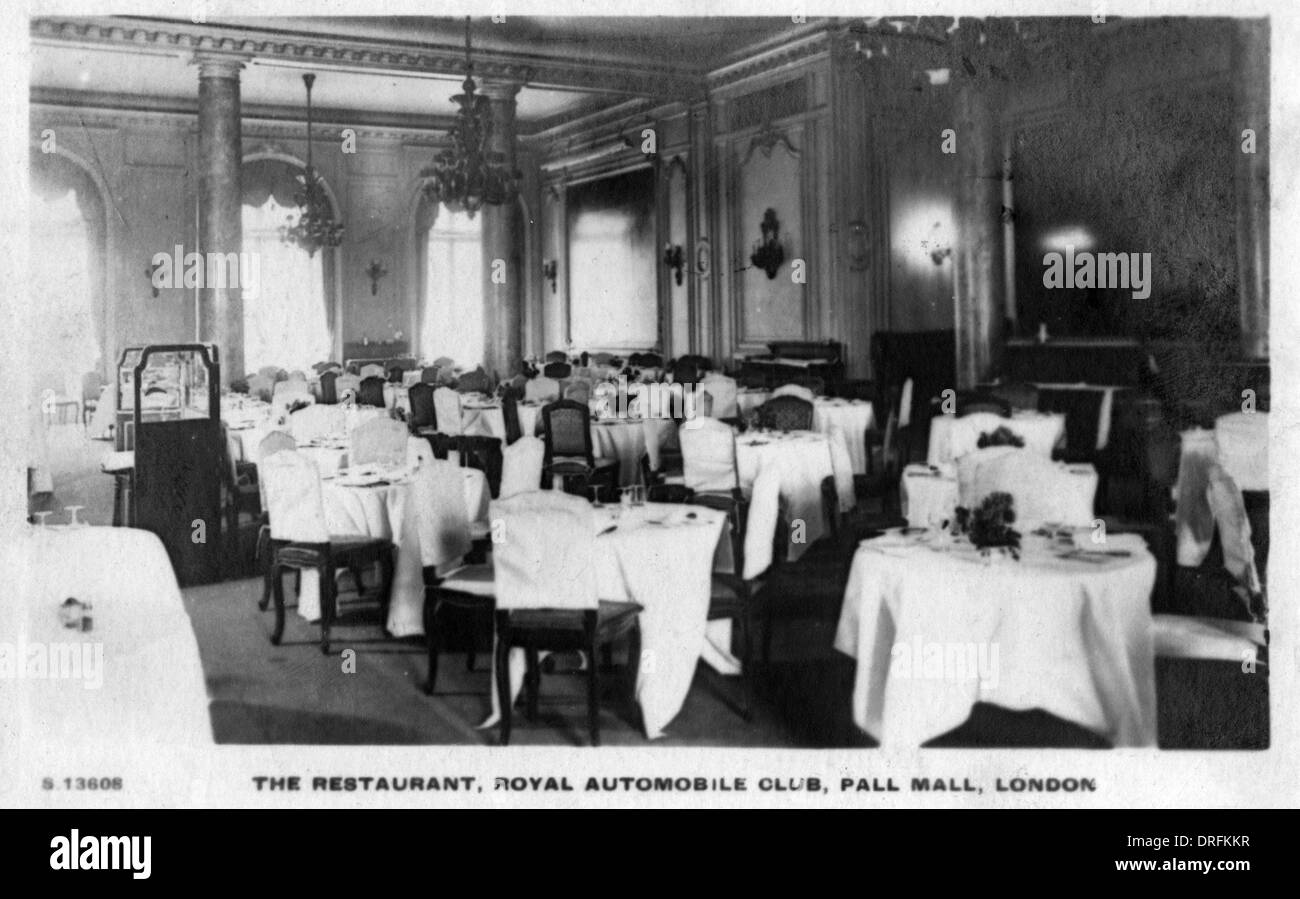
634, 672
269, 550
502, 662
593, 694
431, 640
746, 668
532, 682
277, 578
327, 601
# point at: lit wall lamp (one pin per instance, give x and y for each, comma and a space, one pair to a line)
375, 271
768, 254
675, 259
551, 272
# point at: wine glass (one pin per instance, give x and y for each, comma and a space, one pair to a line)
73, 520
42, 516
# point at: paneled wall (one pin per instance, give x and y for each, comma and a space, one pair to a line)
146, 163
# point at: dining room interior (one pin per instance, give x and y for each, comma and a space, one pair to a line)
785, 382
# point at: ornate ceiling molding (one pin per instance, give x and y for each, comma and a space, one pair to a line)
172, 37
767, 63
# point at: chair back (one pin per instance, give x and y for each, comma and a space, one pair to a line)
568, 431
423, 414
379, 441
557, 370
372, 370
446, 407
522, 466
685, 371
371, 392
269, 372
260, 386
708, 455
476, 381
600, 358
429, 374
291, 484
557, 356
274, 442
545, 557
347, 387
542, 389
438, 491
510, 415
579, 392
329, 387
395, 374
786, 412
316, 422
723, 390
969, 402
802, 392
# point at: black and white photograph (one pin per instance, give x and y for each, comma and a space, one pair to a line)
707, 404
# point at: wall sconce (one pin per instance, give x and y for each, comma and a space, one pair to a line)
375, 271
551, 272
675, 259
768, 254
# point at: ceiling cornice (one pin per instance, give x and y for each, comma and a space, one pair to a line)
172, 37
765, 62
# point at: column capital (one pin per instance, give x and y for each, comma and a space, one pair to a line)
500, 91
219, 65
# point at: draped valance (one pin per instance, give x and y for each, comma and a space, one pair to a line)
263, 178
53, 176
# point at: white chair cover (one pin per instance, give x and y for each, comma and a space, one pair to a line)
1242, 440
346, 386
316, 422
760, 523
708, 455
841, 467
439, 494
905, 404
1041, 490
373, 370
545, 555
521, 470
803, 393
379, 441
542, 389
291, 483
723, 390
418, 452
1193, 517
447, 408
290, 386
1040, 434
259, 385
1234, 528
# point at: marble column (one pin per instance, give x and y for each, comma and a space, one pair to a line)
1252, 65
221, 309
503, 271
979, 270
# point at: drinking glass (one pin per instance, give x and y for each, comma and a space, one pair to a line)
73, 520
42, 516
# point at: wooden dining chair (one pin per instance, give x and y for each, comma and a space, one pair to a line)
786, 413
423, 415
569, 450
510, 414
300, 540
547, 599
328, 387
371, 392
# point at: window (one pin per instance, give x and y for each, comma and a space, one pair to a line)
453, 288
286, 321
67, 230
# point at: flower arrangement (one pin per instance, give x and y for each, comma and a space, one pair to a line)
988, 525
297, 405
1002, 436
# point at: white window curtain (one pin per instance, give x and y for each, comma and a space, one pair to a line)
63, 314
453, 289
285, 319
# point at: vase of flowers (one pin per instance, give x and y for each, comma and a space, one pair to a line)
989, 525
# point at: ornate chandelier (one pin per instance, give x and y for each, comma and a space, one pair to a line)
315, 227
469, 174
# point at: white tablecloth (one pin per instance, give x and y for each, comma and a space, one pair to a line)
1071, 637
854, 417
804, 459
952, 437
144, 682
625, 439
930, 494
389, 513
667, 568
487, 419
